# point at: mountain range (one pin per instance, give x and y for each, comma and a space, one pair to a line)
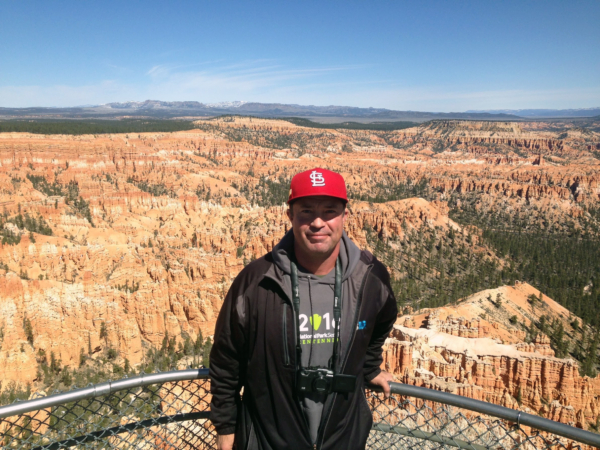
543, 113
155, 108
162, 109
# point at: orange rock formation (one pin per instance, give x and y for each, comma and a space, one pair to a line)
472, 349
170, 224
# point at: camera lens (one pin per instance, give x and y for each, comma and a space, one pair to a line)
321, 384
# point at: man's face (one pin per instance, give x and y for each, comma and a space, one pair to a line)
318, 223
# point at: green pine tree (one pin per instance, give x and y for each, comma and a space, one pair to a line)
206, 353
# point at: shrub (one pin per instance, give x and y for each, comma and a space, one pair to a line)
111, 354
28, 330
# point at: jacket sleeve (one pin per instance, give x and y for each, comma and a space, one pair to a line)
227, 361
383, 326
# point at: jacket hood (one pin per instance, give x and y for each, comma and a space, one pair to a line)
349, 254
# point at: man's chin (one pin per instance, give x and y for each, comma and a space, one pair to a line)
319, 249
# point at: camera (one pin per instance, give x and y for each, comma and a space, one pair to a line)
324, 381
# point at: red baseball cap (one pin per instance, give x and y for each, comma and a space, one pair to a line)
318, 182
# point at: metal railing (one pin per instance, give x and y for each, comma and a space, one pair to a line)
420, 418
170, 411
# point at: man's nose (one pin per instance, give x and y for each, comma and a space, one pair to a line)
317, 222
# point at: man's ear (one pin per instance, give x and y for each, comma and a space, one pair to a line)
289, 213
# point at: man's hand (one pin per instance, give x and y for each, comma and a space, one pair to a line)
383, 380
225, 441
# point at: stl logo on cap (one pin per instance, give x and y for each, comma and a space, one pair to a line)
317, 178
317, 182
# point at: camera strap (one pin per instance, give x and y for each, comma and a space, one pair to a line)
337, 310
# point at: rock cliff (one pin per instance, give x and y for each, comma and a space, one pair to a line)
477, 349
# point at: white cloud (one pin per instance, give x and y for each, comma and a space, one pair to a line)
268, 81
256, 79
454, 101
62, 95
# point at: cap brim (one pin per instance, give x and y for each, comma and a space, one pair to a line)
289, 202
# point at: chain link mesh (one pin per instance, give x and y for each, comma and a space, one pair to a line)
166, 416
402, 422
174, 415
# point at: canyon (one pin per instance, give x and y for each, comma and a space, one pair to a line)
124, 239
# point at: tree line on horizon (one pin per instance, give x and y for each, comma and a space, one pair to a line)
93, 126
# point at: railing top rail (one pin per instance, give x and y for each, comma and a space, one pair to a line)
96, 390
490, 409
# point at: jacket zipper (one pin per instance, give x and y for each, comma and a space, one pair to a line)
296, 358
286, 353
321, 433
288, 302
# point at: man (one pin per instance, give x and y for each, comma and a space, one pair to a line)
301, 331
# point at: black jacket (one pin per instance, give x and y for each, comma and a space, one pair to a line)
254, 349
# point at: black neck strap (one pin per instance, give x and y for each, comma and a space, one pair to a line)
337, 311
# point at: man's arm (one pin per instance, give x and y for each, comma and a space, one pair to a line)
225, 441
385, 322
226, 362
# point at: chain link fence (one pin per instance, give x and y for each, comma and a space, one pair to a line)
159, 411
411, 421
170, 411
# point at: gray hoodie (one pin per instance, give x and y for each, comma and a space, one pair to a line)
316, 314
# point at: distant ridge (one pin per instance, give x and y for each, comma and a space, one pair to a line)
283, 110
544, 113
161, 109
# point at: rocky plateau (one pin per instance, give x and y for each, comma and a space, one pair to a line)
146, 231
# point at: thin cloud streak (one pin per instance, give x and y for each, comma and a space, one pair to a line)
168, 69
266, 81
248, 79
243, 72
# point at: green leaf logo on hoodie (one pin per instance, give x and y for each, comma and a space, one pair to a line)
315, 321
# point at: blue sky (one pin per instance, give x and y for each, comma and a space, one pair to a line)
418, 55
